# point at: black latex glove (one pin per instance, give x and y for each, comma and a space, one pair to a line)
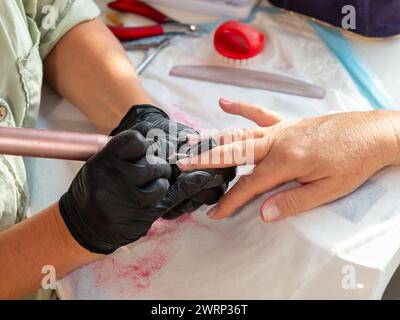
117, 195
171, 138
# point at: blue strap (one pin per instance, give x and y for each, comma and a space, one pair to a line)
368, 85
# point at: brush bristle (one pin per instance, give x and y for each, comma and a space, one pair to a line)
235, 62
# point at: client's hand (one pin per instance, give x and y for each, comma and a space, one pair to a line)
329, 156
171, 137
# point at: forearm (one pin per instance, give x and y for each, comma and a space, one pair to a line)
28, 246
90, 68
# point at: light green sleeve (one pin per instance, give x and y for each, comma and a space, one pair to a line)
54, 18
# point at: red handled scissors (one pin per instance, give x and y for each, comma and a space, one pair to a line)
164, 25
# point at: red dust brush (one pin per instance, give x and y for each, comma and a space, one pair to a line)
238, 42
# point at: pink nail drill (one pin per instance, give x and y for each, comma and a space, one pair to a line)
238, 41
50, 144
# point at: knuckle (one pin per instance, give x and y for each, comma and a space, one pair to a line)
333, 193
237, 149
248, 185
239, 134
287, 204
259, 111
294, 154
249, 134
339, 187
252, 183
225, 136
244, 183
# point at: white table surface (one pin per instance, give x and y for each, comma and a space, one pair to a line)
380, 57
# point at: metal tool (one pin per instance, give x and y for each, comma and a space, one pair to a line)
50, 144
138, 45
151, 56
178, 156
250, 79
164, 25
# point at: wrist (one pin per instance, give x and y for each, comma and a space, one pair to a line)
67, 242
391, 130
394, 118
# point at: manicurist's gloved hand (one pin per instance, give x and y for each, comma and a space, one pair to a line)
117, 195
171, 138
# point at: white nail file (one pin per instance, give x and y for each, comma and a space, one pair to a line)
250, 79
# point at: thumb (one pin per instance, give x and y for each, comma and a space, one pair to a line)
128, 145
294, 201
188, 185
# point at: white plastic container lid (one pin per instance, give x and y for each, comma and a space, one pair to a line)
240, 9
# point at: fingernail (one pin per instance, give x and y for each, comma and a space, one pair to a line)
212, 212
270, 213
226, 101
